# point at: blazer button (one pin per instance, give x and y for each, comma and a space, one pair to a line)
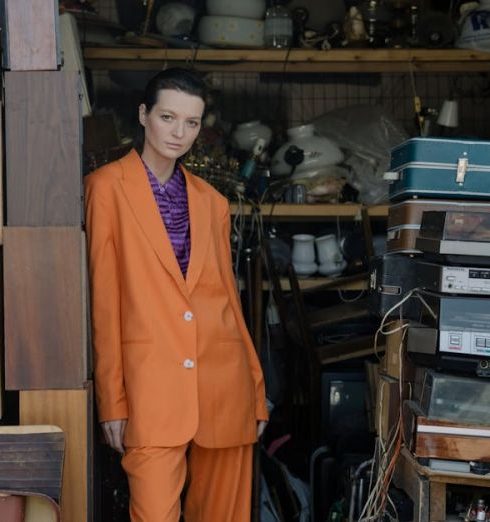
189, 363
188, 316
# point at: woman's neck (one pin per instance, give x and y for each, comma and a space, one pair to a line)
161, 168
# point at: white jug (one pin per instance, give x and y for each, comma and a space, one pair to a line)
329, 255
303, 255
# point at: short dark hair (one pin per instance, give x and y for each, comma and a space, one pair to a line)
175, 78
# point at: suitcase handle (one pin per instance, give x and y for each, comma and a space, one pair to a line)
391, 176
461, 170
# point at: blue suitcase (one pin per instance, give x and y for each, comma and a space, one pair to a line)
440, 167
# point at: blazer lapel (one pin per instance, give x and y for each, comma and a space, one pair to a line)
142, 202
200, 222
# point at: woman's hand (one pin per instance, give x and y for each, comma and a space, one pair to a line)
114, 433
260, 428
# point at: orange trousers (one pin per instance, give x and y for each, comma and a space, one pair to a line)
218, 483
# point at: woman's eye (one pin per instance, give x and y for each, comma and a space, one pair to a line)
193, 123
167, 117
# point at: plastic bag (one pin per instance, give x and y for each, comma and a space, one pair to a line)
367, 134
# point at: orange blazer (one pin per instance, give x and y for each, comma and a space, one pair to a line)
172, 355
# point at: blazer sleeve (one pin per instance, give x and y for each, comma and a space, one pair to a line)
261, 412
105, 302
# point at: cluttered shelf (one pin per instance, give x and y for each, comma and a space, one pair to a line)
292, 60
312, 211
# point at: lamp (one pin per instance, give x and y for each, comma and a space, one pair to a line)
448, 115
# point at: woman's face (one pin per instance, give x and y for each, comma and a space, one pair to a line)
173, 123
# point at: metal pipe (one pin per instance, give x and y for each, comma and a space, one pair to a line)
355, 479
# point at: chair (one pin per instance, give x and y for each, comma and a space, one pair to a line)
323, 352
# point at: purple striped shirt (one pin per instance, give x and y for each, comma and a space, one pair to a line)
171, 198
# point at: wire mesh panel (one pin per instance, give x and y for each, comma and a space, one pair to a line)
292, 99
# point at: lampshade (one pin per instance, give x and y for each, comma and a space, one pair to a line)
448, 115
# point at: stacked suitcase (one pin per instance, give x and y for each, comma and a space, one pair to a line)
437, 184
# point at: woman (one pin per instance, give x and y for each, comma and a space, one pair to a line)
179, 388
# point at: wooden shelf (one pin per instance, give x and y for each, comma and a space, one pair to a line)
293, 61
313, 282
313, 212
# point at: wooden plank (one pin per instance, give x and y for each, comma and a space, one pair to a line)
45, 308
391, 364
43, 149
316, 211
30, 28
295, 60
437, 502
71, 410
1, 180
295, 67
387, 407
342, 351
416, 487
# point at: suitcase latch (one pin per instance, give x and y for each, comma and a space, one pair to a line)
461, 170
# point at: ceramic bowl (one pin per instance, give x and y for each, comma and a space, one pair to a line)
242, 8
231, 31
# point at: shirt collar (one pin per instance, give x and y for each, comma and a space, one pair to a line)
173, 187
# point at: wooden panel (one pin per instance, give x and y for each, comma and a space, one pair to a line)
71, 410
415, 486
31, 459
437, 502
45, 308
43, 151
31, 34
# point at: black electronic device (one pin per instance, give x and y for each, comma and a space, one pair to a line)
392, 276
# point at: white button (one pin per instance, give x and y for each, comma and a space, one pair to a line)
189, 363
188, 316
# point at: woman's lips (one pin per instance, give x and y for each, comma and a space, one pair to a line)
173, 145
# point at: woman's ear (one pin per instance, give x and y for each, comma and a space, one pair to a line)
142, 114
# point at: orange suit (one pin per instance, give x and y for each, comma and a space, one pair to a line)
172, 355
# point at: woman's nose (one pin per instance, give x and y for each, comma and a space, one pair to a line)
178, 129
